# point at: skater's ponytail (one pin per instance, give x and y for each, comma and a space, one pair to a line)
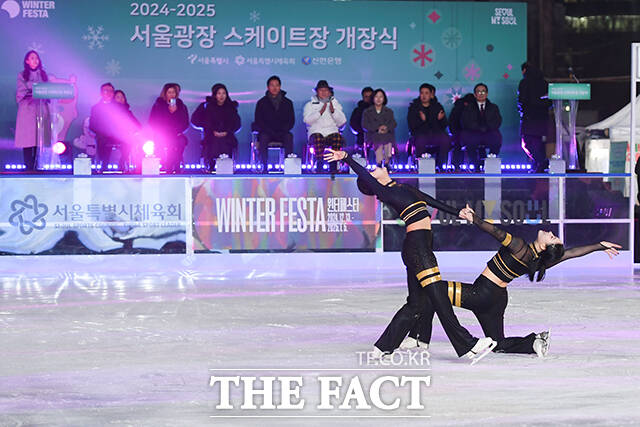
549, 256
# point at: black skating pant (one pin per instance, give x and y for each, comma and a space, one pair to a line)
424, 296
488, 302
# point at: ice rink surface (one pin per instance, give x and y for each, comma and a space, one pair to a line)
133, 340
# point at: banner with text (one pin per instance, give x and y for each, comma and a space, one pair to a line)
59, 216
288, 215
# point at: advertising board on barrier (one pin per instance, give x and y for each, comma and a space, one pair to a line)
58, 216
290, 214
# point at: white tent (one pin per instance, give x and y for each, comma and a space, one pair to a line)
620, 123
599, 155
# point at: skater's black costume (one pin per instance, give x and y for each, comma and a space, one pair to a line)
488, 299
422, 267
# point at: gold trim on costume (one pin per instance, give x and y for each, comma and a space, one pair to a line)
521, 262
450, 290
424, 273
506, 266
431, 280
535, 252
458, 294
413, 213
507, 240
507, 275
413, 204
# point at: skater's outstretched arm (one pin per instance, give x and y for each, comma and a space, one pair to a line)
434, 203
361, 171
610, 248
514, 243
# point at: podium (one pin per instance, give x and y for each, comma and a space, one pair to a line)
48, 124
565, 118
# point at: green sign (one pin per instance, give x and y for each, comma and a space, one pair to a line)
52, 91
580, 91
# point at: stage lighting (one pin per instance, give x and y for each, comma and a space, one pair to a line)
59, 147
149, 147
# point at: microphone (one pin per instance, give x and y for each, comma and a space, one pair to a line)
572, 75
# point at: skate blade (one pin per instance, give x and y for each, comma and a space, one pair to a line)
548, 343
478, 357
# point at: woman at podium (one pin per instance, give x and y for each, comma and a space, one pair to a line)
33, 122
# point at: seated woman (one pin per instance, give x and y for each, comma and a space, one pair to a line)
218, 117
169, 119
487, 296
379, 126
127, 126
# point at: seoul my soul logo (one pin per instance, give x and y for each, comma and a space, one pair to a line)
30, 8
28, 214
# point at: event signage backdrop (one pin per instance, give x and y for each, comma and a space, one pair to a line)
92, 216
287, 215
139, 46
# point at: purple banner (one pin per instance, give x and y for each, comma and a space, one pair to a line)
283, 214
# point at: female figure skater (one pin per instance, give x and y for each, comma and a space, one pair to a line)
417, 255
487, 296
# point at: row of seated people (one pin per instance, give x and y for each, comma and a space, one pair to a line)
473, 126
474, 123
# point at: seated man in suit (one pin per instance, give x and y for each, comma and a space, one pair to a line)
274, 118
480, 126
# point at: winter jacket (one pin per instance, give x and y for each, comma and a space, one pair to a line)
534, 111
431, 126
27, 110
455, 116
372, 120
355, 122
127, 125
325, 123
275, 122
167, 126
104, 121
472, 120
217, 118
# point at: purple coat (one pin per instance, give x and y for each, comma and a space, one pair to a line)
27, 110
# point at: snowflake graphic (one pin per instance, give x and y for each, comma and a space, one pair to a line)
113, 67
254, 16
451, 38
239, 60
472, 71
453, 94
424, 55
36, 46
96, 37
